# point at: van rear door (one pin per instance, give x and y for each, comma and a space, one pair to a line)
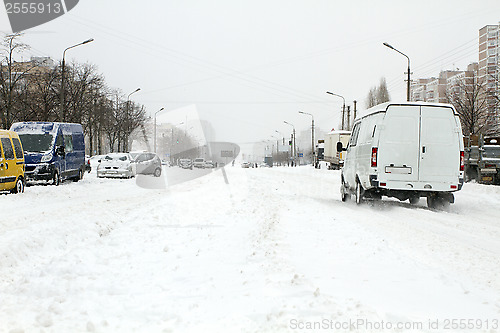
398, 146
439, 145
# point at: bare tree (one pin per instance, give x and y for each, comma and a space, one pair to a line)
39, 97
11, 75
383, 92
469, 97
378, 95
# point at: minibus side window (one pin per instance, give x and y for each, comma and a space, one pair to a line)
68, 140
17, 148
8, 152
354, 136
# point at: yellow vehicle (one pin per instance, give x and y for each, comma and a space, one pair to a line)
11, 162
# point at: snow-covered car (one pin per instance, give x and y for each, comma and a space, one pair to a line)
209, 164
246, 165
147, 164
115, 165
199, 162
186, 163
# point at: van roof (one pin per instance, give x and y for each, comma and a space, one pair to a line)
383, 107
35, 127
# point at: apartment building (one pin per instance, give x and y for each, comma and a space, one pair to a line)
488, 69
459, 84
432, 89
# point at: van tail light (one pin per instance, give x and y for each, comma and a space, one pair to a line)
374, 157
462, 161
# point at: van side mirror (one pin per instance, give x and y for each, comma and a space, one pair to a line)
339, 147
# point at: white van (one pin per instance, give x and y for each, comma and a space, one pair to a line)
405, 150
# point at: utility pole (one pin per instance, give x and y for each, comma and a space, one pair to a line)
348, 117
313, 153
354, 117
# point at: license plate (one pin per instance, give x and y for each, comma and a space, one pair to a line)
487, 179
398, 170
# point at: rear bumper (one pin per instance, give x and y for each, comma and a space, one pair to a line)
114, 173
419, 186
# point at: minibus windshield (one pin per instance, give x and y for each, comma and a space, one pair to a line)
36, 142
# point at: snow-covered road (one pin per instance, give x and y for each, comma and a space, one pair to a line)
274, 250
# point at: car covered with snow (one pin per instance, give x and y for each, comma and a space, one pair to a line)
246, 165
115, 165
199, 162
147, 163
186, 163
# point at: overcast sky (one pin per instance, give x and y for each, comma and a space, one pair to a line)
248, 65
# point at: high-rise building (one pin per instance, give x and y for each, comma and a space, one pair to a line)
488, 69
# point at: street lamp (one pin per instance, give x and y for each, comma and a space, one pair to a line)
343, 107
127, 118
63, 66
172, 141
293, 142
313, 153
155, 128
408, 80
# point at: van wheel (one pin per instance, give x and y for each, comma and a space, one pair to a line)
19, 186
56, 180
344, 192
157, 172
414, 200
359, 193
79, 177
436, 201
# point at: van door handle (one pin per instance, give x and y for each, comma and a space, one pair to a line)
6, 166
423, 149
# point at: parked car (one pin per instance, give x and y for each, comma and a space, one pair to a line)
199, 162
246, 165
88, 167
11, 162
405, 150
115, 165
186, 163
53, 152
209, 164
147, 164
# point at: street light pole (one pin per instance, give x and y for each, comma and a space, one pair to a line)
313, 152
293, 144
408, 80
343, 107
127, 118
172, 142
63, 67
155, 128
